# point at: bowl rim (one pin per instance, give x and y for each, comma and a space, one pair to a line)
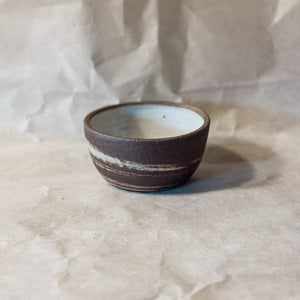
201, 112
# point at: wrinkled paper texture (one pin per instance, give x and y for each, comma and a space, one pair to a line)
232, 232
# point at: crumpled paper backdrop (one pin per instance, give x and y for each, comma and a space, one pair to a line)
232, 232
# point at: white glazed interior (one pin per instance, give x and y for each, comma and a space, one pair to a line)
147, 121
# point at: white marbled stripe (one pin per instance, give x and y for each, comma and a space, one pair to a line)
133, 165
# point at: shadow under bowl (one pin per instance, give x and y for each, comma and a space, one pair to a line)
147, 146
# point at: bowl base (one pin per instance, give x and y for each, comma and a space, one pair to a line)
136, 188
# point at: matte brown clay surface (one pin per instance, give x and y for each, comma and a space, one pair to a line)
146, 164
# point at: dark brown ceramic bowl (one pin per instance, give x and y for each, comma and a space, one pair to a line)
147, 146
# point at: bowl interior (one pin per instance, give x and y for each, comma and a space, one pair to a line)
147, 121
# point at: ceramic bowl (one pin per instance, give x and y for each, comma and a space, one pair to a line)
147, 146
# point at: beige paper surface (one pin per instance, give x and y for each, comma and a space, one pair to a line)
232, 232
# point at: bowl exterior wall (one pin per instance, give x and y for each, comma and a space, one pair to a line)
146, 165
